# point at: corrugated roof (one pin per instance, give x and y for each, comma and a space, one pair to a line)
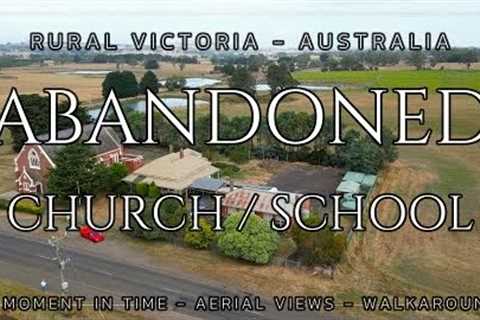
349, 205
240, 199
208, 184
348, 187
107, 137
174, 171
354, 176
369, 180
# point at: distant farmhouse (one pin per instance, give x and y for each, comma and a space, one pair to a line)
34, 162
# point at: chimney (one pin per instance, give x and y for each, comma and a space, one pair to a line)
181, 153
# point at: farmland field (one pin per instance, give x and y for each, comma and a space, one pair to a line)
431, 79
33, 79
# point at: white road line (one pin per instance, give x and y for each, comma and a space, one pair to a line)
105, 273
44, 257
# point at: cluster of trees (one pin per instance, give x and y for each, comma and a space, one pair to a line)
12, 61
358, 153
278, 77
78, 172
256, 243
125, 83
175, 83
38, 109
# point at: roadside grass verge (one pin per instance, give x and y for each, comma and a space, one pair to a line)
10, 288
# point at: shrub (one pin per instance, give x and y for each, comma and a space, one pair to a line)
256, 243
25, 205
239, 154
142, 189
323, 247
153, 191
227, 169
115, 174
200, 239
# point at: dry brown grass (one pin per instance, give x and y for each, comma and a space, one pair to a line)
33, 79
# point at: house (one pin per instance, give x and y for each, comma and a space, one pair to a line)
239, 199
174, 172
34, 162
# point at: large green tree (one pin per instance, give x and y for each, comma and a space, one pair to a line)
243, 79
123, 82
360, 153
279, 77
149, 81
77, 171
257, 242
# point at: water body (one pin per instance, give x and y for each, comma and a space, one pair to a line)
140, 105
265, 87
196, 82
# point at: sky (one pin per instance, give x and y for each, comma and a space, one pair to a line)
268, 19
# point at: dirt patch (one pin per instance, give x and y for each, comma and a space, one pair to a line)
302, 178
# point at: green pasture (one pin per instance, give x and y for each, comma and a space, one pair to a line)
431, 79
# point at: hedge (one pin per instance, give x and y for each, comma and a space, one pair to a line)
23, 206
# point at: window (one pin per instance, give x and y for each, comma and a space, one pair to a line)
33, 159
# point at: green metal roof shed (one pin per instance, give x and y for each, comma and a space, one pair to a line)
354, 176
349, 205
369, 180
348, 187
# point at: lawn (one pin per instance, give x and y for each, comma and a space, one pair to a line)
395, 78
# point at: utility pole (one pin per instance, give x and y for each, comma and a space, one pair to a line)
60, 258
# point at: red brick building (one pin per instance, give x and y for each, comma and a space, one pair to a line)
33, 162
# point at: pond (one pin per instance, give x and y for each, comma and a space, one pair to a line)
140, 105
197, 82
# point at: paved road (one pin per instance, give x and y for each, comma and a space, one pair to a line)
28, 261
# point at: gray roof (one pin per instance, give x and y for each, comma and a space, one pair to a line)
207, 184
107, 137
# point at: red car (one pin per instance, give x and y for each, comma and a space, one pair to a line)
94, 236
